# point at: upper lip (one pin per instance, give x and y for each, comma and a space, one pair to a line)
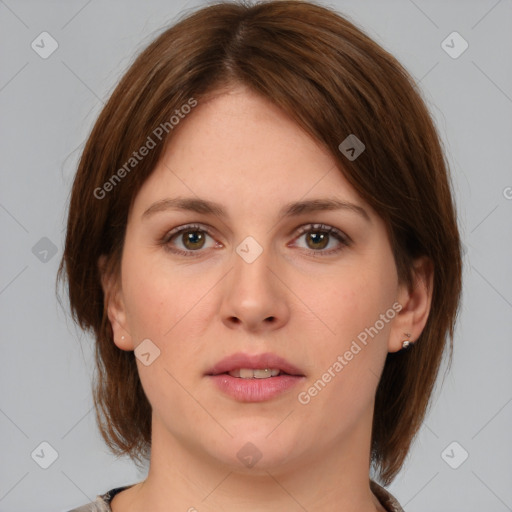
254, 361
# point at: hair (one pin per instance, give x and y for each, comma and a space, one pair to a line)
333, 80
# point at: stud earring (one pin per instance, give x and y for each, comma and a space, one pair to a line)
407, 343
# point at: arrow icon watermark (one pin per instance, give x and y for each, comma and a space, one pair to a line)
352, 147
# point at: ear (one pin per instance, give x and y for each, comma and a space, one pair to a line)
415, 300
114, 303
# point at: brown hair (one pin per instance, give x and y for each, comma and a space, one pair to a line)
334, 81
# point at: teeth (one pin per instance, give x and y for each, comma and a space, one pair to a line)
249, 373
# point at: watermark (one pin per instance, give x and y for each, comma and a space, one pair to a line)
249, 455
304, 397
249, 249
44, 455
507, 192
146, 352
137, 156
44, 45
454, 455
351, 147
454, 45
44, 250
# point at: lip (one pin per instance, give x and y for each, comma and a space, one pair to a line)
254, 390
255, 361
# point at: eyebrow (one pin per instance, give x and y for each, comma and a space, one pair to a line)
289, 210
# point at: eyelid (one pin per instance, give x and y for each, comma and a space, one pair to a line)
342, 237
168, 235
331, 230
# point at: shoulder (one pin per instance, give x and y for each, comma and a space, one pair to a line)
102, 502
387, 500
96, 506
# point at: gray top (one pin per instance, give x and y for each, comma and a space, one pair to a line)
102, 503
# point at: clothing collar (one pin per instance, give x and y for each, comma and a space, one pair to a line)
386, 499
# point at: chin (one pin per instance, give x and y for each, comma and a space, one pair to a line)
254, 450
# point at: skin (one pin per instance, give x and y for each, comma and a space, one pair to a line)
242, 152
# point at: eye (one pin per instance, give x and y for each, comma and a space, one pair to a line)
188, 239
322, 239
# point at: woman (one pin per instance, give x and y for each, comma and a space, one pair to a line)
262, 238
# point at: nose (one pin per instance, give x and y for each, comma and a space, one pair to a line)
254, 299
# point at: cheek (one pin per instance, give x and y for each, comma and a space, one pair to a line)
356, 308
147, 295
146, 303
352, 300
163, 308
169, 306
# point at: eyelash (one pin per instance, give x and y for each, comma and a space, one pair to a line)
331, 231
342, 238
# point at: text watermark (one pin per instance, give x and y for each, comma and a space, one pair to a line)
137, 156
304, 397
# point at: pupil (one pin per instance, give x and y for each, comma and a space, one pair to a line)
193, 240
319, 240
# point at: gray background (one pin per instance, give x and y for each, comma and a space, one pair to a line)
47, 109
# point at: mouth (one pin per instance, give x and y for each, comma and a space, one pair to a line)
258, 366
249, 373
254, 378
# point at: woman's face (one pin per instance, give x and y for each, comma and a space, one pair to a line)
254, 267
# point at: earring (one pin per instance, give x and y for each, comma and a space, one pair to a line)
407, 343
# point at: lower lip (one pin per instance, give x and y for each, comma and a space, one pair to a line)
255, 390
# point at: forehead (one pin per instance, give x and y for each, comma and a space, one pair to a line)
239, 149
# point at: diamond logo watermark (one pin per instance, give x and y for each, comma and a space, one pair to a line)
249, 250
44, 250
454, 455
249, 455
44, 455
44, 45
146, 352
454, 45
352, 147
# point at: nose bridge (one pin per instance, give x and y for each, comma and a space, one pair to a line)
252, 270
254, 298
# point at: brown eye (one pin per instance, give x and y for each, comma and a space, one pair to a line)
189, 240
321, 240
193, 240
317, 240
